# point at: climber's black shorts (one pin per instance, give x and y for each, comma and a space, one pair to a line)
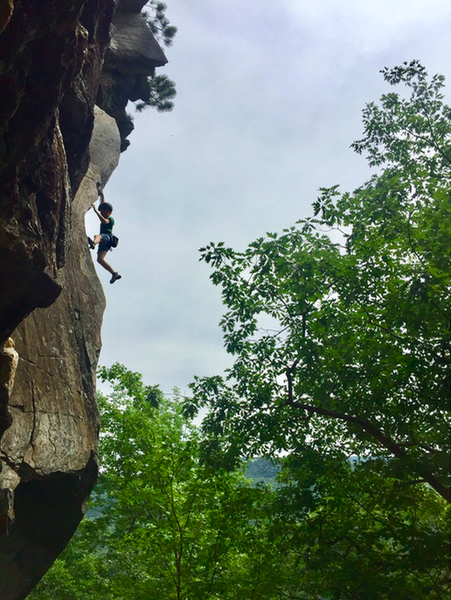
106, 243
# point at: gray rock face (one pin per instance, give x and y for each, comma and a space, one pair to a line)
6, 10
132, 45
51, 56
8, 366
131, 5
55, 145
49, 452
131, 58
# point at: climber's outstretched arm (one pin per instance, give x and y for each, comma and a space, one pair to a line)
101, 217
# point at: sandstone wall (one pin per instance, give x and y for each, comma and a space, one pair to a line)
55, 145
49, 453
51, 57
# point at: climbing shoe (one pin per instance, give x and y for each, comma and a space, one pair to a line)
115, 277
91, 243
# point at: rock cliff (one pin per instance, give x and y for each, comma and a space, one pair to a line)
58, 59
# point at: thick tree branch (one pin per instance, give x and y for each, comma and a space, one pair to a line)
384, 440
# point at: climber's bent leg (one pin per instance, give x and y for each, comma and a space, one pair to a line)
101, 260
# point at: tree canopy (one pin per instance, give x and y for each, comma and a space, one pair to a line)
340, 326
163, 524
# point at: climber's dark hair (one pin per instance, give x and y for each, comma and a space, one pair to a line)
105, 206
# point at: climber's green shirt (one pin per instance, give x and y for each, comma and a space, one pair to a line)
107, 227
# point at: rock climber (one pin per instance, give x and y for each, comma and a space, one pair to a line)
104, 239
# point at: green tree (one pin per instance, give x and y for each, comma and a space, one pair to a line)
158, 22
355, 354
160, 89
356, 533
161, 93
161, 523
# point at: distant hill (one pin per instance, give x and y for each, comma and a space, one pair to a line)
262, 470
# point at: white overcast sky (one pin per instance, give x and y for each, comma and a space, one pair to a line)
269, 98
